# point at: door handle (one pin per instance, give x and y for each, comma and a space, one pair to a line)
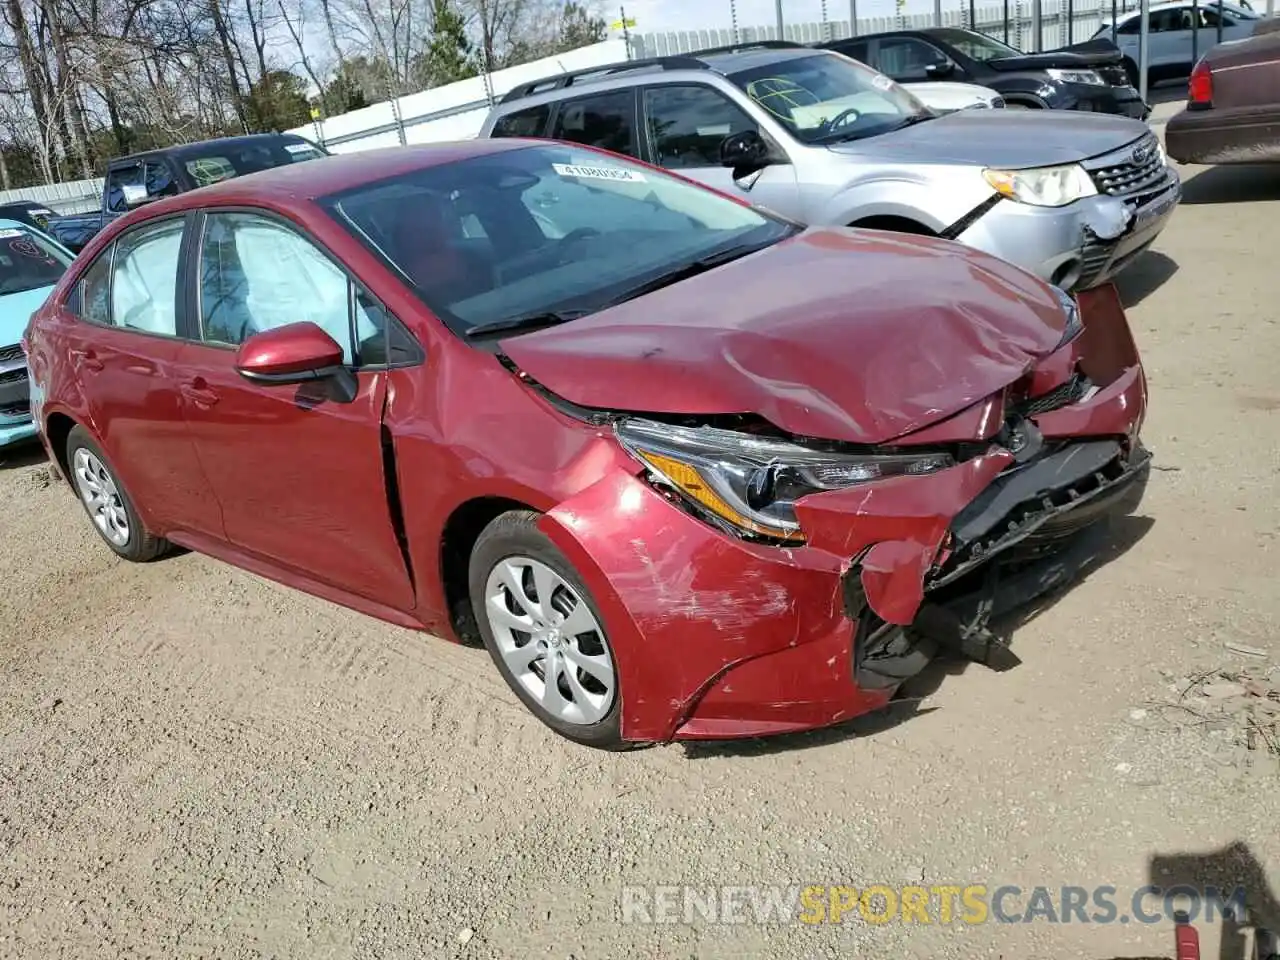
198, 392
86, 359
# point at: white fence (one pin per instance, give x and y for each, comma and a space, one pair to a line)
456, 111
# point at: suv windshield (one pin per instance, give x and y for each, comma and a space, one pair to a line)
825, 98
545, 233
976, 46
28, 261
226, 162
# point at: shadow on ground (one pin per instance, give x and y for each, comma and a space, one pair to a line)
1104, 543
1233, 183
1227, 870
1144, 276
22, 455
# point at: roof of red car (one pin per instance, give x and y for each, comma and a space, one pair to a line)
326, 175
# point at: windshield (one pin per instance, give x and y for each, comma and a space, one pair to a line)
223, 164
826, 98
976, 46
543, 229
28, 261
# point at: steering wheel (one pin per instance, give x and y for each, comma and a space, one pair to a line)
840, 119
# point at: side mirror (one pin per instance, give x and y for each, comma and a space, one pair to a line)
943, 68
292, 354
745, 152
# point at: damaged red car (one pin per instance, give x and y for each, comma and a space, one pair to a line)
687, 469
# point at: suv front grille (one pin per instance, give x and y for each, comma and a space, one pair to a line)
15, 410
1060, 396
10, 353
14, 376
1114, 74
1136, 169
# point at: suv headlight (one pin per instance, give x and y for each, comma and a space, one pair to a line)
1043, 186
1076, 76
749, 485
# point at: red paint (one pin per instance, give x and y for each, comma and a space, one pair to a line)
843, 335
295, 348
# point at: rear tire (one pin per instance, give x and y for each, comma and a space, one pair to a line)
531, 636
107, 503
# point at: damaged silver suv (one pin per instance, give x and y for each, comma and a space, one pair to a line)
826, 140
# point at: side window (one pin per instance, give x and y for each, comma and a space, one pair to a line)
1210, 18
688, 123
524, 123
124, 183
160, 182
94, 291
387, 342
1130, 27
144, 278
1164, 21
858, 50
606, 120
256, 275
905, 58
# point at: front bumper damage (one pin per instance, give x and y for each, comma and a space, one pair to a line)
717, 637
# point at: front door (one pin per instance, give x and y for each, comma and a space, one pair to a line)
121, 330
298, 473
686, 123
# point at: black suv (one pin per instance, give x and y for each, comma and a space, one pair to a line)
1090, 76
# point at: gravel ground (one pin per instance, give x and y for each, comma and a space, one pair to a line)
194, 762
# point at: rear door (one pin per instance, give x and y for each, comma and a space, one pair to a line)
299, 475
685, 124
121, 331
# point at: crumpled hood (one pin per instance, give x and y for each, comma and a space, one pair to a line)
1001, 139
859, 336
16, 309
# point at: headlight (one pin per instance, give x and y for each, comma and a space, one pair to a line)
1043, 186
1077, 76
1074, 325
749, 484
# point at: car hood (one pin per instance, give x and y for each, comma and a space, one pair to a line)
1082, 56
1000, 138
945, 95
16, 309
850, 335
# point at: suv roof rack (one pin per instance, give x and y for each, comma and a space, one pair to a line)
752, 45
562, 80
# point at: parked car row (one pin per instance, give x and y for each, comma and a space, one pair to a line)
826, 140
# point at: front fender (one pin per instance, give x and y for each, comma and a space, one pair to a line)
922, 200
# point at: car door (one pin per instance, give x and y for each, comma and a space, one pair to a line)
1169, 40
121, 329
298, 473
685, 124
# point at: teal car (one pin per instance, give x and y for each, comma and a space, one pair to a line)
31, 262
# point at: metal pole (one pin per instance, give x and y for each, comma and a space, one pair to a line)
1115, 15
1006, 21
826, 31
937, 13
973, 20
777, 9
1071, 19
626, 35
1195, 33
853, 17
1144, 32
1219, 23
1037, 27
733, 17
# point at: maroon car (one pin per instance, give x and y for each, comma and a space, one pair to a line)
689, 470
1233, 103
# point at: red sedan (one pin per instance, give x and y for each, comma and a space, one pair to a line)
687, 469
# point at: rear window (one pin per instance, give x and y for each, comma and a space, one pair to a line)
218, 165
28, 261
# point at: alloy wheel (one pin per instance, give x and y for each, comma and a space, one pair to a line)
101, 497
550, 641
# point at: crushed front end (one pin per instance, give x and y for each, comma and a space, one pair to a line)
725, 629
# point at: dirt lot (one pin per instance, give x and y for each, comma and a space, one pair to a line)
194, 762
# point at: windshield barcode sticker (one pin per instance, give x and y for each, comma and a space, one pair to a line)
597, 173
298, 147
9, 234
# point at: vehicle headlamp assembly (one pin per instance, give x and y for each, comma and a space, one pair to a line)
1043, 186
1075, 324
748, 485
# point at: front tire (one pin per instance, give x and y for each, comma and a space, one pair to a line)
544, 632
106, 501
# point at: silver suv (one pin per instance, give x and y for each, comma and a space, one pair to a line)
826, 140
